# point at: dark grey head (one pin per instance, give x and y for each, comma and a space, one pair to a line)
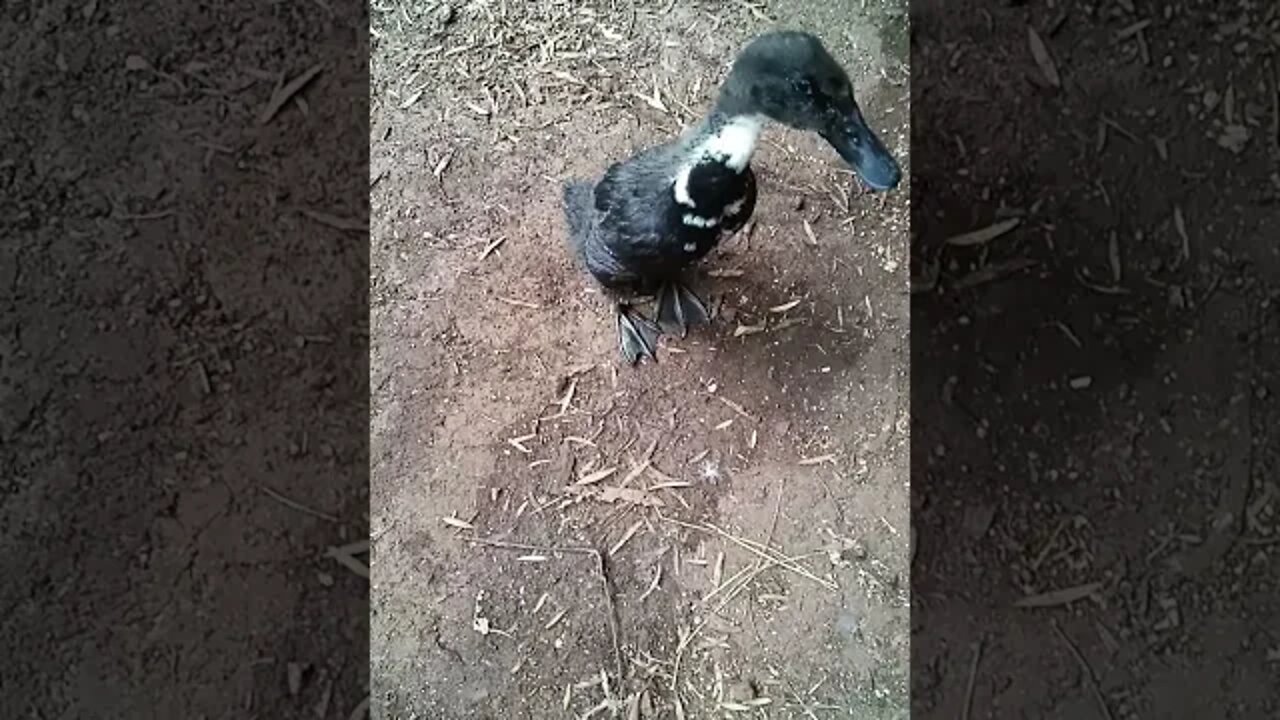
790, 77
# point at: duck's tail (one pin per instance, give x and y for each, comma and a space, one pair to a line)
578, 198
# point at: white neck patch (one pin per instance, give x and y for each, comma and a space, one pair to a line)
733, 144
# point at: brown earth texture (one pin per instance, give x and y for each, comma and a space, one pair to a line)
1094, 449
743, 547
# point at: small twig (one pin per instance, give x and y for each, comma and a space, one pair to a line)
1086, 669
755, 548
297, 505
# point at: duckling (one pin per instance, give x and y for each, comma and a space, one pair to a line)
658, 213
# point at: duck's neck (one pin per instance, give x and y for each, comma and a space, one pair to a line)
726, 139
730, 139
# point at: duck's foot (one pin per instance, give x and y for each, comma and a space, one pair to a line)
680, 309
637, 335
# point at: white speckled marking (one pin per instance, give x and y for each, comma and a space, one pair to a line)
734, 207
690, 247
697, 221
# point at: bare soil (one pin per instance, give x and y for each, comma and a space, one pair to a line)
1093, 393
182, 361
496, 384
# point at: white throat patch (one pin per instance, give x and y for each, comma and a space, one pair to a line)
733, 144
736, 141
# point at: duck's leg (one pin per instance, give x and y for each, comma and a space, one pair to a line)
637, 335
680, 309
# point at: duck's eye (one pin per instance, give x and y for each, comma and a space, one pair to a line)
803, 85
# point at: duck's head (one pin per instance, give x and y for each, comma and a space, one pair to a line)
790, 77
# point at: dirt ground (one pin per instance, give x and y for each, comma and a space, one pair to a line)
496, 384
182, 361
1093, 395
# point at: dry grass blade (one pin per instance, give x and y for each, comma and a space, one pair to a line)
973, 679
284, 94
1131, 30
1063, 596
335, 222
519, 303
779, 309
829, 457
493, 245
456, 522
808, 233
297, 505
519, 443
1085, 669
346, 560
597, 476
993, 272
984, 235
626, 537
736, 408
1041, 54
1180, 224
1275, 107
744, 330
762, 551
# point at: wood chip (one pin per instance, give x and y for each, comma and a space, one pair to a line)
984, 235
744, 330
1064, 596
1042, 58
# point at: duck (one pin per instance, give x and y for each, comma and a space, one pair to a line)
652, 217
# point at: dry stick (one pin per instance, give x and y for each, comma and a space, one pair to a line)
600, 567
973, 677
1086, 669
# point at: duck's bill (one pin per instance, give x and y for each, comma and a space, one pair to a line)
862, 149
